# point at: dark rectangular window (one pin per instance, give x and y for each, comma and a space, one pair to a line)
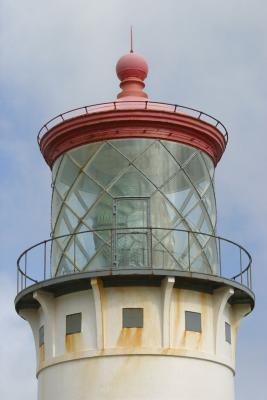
73, 323
41, 335
132, 317
192, 321
228, 333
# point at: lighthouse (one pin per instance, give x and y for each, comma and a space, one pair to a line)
135, 295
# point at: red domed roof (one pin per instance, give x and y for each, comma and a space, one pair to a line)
132, 65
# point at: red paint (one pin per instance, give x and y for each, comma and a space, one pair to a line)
139, 119
132, 123
132, 65
132, 70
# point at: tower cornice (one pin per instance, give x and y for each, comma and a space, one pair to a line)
121, 120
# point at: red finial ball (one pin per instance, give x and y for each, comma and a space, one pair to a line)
132, 65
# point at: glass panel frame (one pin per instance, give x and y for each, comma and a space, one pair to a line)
136, 236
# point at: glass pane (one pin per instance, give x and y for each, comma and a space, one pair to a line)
106, 165
132, 183
195, 217
70, 219
201, 264
76, 253
209, 201
76, 205
198, 173
56, 204
181, 192
90, 243
176, 243
202, 258
81, 155
56, 254
62, 228
209, 164
131, 213
162, 259
132, 250
132, 148
181, 153
67, 174
190, 202
65, 267
102, 260
195, 247
55, 167
206, 227
163, 214
157, 164
101, 214
83, 194
212, 255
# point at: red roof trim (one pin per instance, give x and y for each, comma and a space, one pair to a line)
118, 124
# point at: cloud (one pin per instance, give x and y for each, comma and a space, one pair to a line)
60, 54
17, 361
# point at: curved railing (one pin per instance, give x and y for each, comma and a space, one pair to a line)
191, 252
145, 105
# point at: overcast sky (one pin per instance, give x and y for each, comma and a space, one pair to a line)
60, 54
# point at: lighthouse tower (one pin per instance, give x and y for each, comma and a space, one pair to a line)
134, 296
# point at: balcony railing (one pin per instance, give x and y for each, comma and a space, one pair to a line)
124, 249
141, 105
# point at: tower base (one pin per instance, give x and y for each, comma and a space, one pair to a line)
135, 337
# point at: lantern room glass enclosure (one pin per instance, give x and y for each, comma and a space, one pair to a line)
138, 198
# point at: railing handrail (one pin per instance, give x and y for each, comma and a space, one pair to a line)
247, 269
176, 107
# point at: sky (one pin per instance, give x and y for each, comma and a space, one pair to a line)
59, 54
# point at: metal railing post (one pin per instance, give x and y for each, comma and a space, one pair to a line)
17, 279
188, 248
244, 276
45, 259
25, 271
113, 251
21, 280
74, 253
240, 261
150, 245
220, 257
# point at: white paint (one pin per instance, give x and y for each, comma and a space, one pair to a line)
137, 378
160, 360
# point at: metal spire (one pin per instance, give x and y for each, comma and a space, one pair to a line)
131, 51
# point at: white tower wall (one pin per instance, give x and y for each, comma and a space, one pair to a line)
160, 360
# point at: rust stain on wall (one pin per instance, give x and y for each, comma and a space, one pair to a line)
175, 323
130, 337
102, 301
191, 340
205, 318
177, 305
73, 342
41, 353
124, 373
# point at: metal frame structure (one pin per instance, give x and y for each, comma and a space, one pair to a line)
118, 230
148, 105
24, 279
182, 167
